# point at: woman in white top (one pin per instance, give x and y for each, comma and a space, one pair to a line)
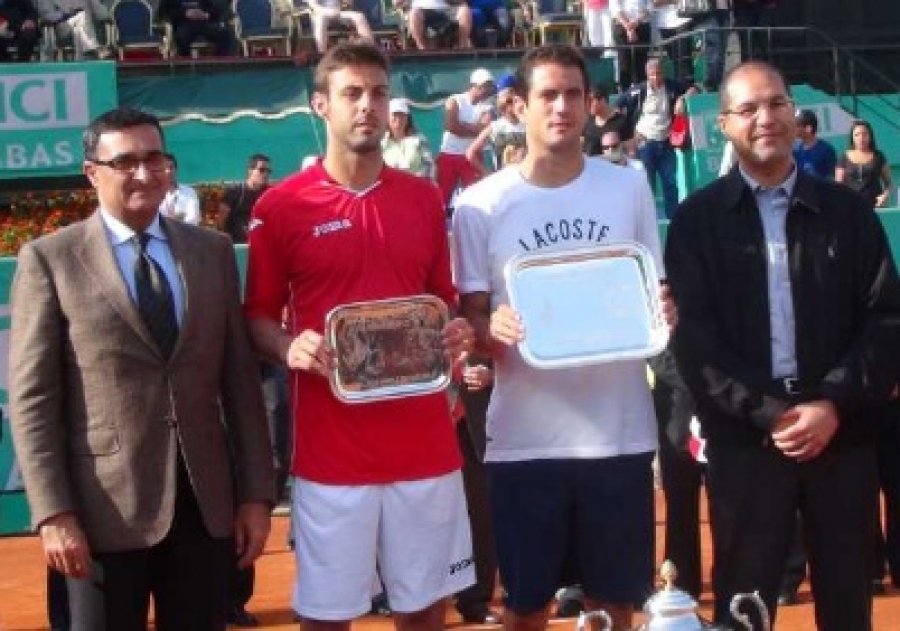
402, 147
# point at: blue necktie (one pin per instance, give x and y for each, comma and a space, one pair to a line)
154, 297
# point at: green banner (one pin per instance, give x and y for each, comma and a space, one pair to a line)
43, 110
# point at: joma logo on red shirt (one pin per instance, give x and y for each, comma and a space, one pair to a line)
331, 226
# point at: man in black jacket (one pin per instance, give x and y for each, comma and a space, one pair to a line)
789, 325
194, 20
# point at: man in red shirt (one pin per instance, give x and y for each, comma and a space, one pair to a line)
371, 480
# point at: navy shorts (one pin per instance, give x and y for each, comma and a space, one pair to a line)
576, 521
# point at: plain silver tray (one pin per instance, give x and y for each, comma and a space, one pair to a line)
587, 306
388, 348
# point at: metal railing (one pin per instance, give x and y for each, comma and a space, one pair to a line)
808, 55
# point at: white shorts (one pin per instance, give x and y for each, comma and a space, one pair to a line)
417, 531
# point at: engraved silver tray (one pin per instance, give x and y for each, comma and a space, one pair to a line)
388, 348
588, 305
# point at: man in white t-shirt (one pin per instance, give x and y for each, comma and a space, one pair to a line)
569, 450
465, 116
181, 201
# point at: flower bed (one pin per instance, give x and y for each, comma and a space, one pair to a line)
33, 214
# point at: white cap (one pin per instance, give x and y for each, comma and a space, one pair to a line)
480, 76
399, 106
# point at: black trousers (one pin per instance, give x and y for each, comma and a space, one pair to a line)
755, 494
682, 476
632, 61
888, 525
470, 433
189, 31
187, 574
682, 482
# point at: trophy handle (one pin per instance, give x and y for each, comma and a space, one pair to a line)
585, 616
744, 619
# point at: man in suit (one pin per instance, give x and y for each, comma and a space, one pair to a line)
137, 412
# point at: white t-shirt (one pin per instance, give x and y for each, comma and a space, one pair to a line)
594, 411
467, 112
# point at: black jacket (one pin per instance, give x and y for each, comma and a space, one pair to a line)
846, 307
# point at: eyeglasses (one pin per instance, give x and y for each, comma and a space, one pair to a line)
610, 147
750, 110
263, 169
129, 163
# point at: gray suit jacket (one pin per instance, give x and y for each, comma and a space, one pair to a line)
98, 414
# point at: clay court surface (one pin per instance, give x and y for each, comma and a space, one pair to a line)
22, 591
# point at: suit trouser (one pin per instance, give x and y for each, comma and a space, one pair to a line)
888, 542
471, 436
187, 574
682, 481
755, 493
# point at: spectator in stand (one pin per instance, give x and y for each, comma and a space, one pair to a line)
181, 201
864, 168
812, 154
465, 116
715, 42
649, 108
402, 146
237, 202
715, 39
755, 14
324, 12
613, 149
440, 15
74, 20
198, 20
19, 29
603, 118
490, 14
669, 24
599, 23
631, 32
505, 134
